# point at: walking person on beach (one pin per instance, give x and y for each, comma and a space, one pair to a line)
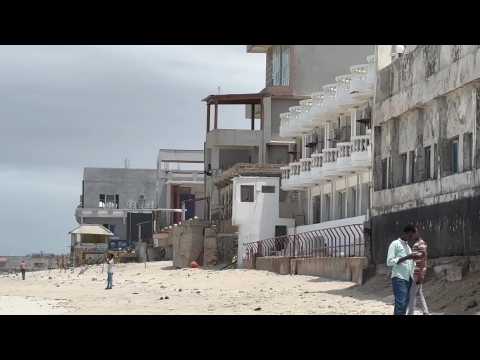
419, 273
109, 271
23, 269
401, 259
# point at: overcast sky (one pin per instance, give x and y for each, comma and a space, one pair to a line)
63, 108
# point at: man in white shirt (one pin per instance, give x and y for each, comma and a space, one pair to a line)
402, 261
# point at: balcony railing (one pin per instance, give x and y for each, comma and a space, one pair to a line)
361, 152
350, 90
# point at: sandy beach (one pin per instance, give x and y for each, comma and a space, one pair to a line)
158, 288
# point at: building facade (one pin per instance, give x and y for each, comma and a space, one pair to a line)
333, 164
118, 199
427, 150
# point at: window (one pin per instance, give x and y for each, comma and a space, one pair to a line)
467, 151
247, 193
384, 174
352, 205
101, 202
390, 174
412, 167
341, 205
141, 202
283, 196
326, 211
268, 189
435, 161
108, 201
316, 209
428, 151
403, 158
454, 155
281, 65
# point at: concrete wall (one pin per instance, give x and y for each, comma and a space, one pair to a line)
352, 269
129, 184
316, 65
188, 244
344, 269
276, 264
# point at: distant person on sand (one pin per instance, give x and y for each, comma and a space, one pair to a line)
109, 271
23, 268
401, 259
419, 273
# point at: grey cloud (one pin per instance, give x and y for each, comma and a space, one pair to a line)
67, 107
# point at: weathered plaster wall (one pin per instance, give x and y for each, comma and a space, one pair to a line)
426, 98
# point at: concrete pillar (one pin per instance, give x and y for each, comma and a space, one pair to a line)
383, 56
358, 200
353, 123
476, 129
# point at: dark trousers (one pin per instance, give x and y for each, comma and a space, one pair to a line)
109, 280
401, 292
23, 274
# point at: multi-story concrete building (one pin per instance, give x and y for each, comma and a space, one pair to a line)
332, 167
293, 72
427, 148
118, 199
179, 183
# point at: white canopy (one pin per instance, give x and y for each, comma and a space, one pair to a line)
91, 229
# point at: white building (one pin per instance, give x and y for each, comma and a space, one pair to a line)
333, 128
256, 211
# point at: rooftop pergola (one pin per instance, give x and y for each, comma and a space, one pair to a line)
234, 99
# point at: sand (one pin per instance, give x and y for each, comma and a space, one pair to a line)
158, 288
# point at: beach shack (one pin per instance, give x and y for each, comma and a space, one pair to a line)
89, 243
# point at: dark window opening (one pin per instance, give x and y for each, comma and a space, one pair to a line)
110, 201
467, 151
247, 193
267, 189
428, 151
341, 205
412, 167
384, 174
327, 207
454, 156
403, 158
317, 212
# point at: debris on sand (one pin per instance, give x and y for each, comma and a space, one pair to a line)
257, 309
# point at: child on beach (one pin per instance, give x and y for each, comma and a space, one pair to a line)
109, 271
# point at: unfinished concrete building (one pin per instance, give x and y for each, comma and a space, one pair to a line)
119, 199
179, 183
427, 148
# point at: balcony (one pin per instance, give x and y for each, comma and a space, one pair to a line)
329, 107
291, 180
361, 152
344, 159
345, 100
362, 86
329, 166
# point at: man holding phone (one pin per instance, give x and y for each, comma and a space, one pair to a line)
401, 259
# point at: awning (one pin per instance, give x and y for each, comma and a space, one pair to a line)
91, 229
